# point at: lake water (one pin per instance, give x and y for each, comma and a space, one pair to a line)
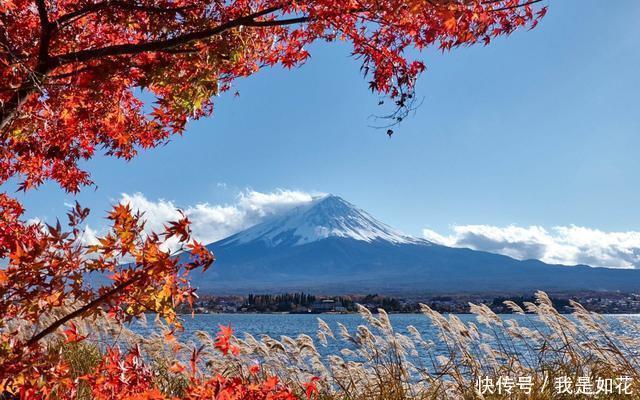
277, 325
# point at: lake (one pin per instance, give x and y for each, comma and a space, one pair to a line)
277, 325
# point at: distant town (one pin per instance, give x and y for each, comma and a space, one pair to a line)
303, 303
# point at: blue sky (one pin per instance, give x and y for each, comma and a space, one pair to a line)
541, 128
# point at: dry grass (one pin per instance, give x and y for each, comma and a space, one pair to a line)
377, 362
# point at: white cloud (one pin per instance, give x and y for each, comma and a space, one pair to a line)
212, 222
567, 245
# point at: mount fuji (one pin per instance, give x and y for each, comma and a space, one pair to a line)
325, 217
331, 246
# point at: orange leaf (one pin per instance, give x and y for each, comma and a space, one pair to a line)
451, 24
3, 277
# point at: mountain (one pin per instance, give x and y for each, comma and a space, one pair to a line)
331, 246
325, 217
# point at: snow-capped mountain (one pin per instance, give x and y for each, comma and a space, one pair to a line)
324, 217
331, 246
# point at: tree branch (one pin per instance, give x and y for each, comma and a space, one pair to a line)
45, 33
31, 83
278, 22
517, 5
79, 312
47, 63
137, 48
66, 18
9, 109
42, 12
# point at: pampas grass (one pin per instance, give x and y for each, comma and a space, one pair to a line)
540, 350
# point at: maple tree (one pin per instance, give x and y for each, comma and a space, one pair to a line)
69, 69
71, 74
46, 271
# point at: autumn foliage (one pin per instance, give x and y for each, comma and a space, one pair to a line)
47, 270
71, 75
127, 376
69, 69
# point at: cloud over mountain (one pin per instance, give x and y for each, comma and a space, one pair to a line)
212, 222
332, 246
568, 245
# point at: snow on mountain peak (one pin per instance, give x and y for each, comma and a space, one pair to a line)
326, 216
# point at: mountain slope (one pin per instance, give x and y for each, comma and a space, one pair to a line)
326, 216
330, 246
